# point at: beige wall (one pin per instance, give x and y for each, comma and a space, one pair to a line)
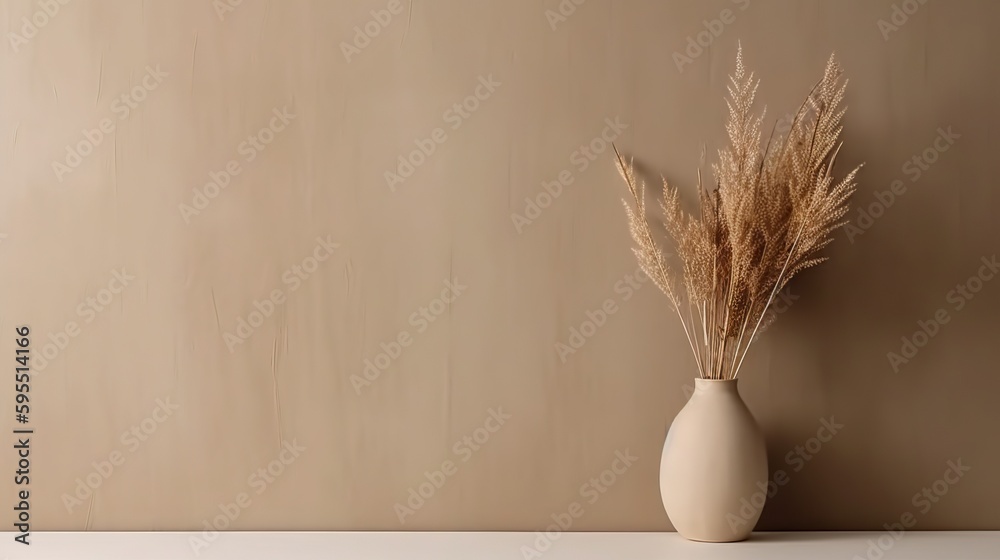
494, 345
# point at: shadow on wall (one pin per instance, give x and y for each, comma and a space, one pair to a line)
902, 300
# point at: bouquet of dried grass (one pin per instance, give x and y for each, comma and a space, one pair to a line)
768, 215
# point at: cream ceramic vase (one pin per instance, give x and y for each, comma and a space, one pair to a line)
713, 472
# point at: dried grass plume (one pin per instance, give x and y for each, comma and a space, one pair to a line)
766, 218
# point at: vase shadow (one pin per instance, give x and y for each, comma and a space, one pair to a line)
801, 536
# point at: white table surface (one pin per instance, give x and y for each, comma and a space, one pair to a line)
913, 545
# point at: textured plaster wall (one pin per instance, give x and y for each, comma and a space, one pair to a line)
361, 333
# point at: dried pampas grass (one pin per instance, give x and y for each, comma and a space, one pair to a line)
765, 220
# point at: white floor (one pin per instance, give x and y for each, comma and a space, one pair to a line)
914, 545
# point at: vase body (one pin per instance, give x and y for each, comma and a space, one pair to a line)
713, 472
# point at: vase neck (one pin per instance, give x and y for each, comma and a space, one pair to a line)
715, 386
